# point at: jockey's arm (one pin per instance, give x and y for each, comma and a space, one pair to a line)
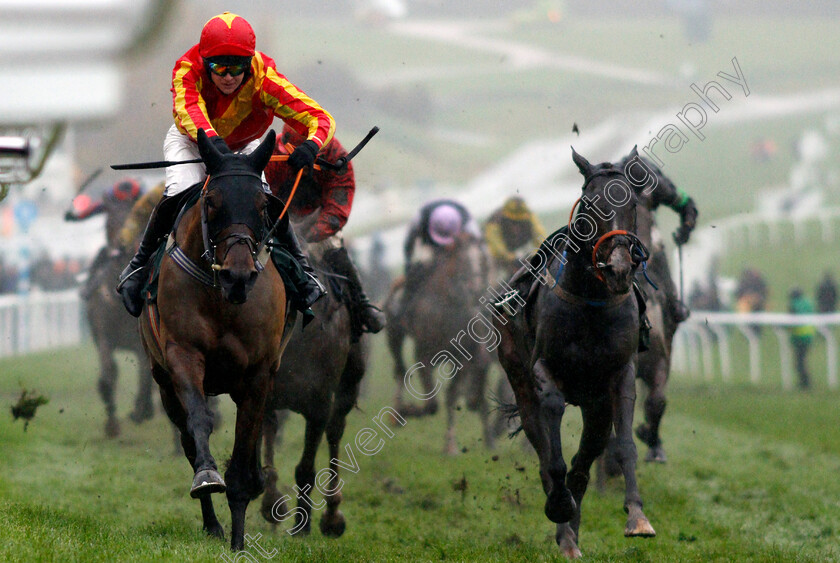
83, 208
337, 191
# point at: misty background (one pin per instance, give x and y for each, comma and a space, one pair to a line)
478, 101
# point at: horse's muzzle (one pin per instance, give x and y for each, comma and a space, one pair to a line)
237, 285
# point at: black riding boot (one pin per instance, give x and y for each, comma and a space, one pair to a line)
131, 281
371, 318
311, 290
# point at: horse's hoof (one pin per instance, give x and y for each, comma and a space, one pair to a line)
206, 482
215, 531
112, 427
138, 416
333, 525
656, 455
271, 506
641, 528
560, 507
565, 539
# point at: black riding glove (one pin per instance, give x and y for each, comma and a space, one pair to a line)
303, 155
688, 220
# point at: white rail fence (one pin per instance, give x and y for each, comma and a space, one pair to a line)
703, 344
40, 321
752, 230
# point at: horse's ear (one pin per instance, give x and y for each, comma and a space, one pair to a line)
208, 151
260, 157
633, 154
582, 164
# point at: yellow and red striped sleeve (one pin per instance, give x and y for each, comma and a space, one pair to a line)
188, 107
294, 107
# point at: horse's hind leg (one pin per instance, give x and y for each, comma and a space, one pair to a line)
178, 417
143, 407
623, 397
106, 386
333, 523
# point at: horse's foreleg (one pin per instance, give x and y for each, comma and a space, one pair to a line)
176, 414
623, 397
450, 445
106, 386
305, 471
654, 410
396, 336
143, 406
559, 505
597, 423
244, 475
333, 523
186, 368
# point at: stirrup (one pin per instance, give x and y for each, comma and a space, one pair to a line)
127, 277
506, 298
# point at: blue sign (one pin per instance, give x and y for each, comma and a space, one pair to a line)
25, 213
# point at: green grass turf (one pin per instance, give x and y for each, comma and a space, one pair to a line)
750, 478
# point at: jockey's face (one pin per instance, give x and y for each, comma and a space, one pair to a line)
227, 84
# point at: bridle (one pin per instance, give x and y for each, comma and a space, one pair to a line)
639, 254
210, 245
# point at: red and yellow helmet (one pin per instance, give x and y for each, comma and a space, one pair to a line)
227, 34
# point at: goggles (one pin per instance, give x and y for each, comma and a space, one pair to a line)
221, 69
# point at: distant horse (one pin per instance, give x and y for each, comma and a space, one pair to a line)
654, 365
319, 378
113, 330
576, 343
218, 327
441, 311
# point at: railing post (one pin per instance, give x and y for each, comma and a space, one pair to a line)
786, 356
722, 335
755, 355
830, 355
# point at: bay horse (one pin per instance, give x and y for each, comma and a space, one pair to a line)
217, 327
319, 378
575, 342
444, 306
113, 330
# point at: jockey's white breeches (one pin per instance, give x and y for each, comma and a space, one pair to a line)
178, 146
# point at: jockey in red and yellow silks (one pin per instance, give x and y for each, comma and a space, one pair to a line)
226, 87
246, 114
